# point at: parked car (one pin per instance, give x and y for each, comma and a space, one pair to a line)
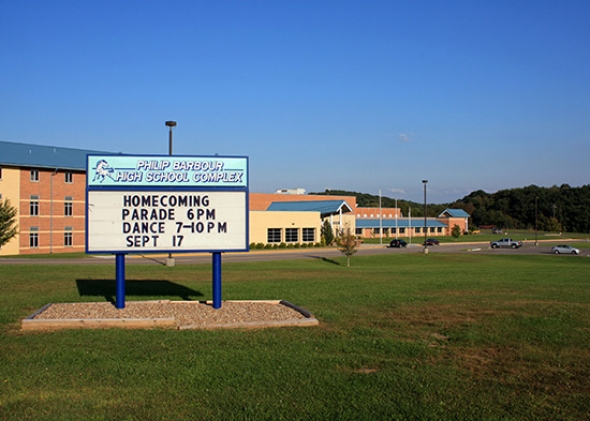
497, 231
564, 249
431, 242
398, 243
506, 242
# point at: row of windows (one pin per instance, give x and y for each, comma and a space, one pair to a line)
34, 237
371, 216
417, 230
34, 176
68, 176
34, 206
275, 235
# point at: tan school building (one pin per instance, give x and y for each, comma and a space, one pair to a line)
47, 185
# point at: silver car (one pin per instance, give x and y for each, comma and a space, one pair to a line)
564, 249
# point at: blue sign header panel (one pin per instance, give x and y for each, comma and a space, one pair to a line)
166, 171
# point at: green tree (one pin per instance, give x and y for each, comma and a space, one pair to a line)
347, 245
8, 227
327, 233
456, 231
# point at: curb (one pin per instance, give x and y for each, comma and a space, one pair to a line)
52, 324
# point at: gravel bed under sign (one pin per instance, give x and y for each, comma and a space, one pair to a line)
186, 314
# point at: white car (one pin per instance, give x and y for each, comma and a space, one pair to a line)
564, 249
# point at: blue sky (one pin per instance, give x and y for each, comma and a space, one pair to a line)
353, 95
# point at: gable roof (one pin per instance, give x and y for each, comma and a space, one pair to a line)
454, 213
324, 207
38, 156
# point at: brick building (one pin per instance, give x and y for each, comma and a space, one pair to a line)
47, 186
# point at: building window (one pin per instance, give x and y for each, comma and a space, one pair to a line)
292, 235
273, 235
386, 231
308, 235
417, 230
69, 177
432, 230
34, 175
402, 230
0, 173
376, 231
439, 230
358, 231
68, 237
34, 237
34, 206
69, 206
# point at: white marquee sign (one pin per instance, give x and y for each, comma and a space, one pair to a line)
139, 204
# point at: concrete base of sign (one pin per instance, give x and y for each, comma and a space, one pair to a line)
170, 262
50, 324
165, 314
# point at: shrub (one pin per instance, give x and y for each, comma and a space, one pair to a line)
456, 231
327, 233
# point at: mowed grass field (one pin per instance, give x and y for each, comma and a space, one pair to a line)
401, 337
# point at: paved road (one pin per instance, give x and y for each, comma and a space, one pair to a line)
263, 255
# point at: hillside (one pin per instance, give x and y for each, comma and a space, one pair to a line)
562, 208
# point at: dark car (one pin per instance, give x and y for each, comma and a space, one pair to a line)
397, 243
431, 242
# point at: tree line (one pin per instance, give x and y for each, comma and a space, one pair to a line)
556, 209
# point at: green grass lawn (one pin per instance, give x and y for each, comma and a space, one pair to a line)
401, 337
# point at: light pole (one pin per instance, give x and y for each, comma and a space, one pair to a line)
396, 212
425, 222
410, 233
536, 213
171, 124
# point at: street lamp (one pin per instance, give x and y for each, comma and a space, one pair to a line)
425, 222
536, 218
396, 214
171, 124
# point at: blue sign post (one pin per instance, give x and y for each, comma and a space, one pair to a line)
216, 280
166, 204
120, 280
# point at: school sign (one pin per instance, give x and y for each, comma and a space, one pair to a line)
147, 204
